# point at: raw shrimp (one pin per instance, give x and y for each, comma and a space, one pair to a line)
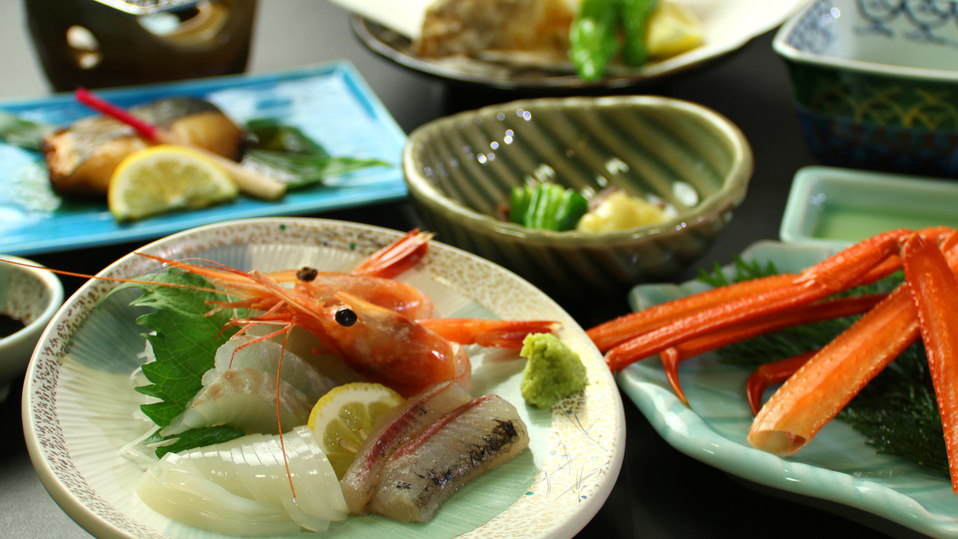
386, 346
371, 280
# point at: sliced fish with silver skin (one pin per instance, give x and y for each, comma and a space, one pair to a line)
398, 426
467, 442
82, 157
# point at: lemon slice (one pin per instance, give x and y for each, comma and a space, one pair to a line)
166, 178
673, 29
342, 419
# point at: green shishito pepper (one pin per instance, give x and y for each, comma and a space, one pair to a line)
635, 21
547, 206
593, 37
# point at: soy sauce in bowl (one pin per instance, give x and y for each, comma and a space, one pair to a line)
10, 325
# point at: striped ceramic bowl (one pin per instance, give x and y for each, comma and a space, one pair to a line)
460, 169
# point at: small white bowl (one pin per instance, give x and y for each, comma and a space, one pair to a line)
32, 296
838, 207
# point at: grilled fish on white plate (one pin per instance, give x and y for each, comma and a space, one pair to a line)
443, 28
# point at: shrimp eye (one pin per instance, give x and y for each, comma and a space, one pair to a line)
346, 317
306, 274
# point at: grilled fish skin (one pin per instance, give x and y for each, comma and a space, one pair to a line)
467, 442
82, 157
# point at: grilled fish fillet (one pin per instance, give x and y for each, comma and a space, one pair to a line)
467, 27
82, 158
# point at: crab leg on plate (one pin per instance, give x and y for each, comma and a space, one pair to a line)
816, 312
934, 290
833, 376
835, 274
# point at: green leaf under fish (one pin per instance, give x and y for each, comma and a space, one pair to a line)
184, 340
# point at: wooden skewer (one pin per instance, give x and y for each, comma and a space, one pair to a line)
247, 180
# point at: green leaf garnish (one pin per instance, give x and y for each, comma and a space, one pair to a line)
293, 157
192, 438
184, 340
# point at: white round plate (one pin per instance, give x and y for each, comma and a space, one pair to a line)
79, 402
727, 25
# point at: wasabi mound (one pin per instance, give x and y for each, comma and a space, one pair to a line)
553, 371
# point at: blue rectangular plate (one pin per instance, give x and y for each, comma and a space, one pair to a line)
331, 103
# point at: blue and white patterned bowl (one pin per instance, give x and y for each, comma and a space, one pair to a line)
876, 82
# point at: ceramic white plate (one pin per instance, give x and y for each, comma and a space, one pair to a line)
78, 402
837, 467
727, 26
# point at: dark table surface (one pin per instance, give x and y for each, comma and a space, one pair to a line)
660, 493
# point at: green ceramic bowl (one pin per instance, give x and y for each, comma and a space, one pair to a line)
836, 207
460, 168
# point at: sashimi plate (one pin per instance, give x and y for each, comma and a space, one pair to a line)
78, 400
330, 103
836, 467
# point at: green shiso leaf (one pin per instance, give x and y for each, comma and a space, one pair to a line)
183, 338
293, 157
896, 412
190, 439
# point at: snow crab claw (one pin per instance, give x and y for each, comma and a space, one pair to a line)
819, 384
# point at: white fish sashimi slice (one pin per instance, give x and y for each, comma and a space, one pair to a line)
252, 468
265, 356
244, 399
465, 443
392, 430
187, 497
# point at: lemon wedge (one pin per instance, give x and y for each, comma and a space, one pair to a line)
672, 29
343, 418
165, 178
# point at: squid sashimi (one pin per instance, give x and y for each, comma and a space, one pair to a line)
265, 356
246, 400
241, 487
398, 426
467, 442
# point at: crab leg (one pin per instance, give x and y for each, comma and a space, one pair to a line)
627, 327
833, 275
934, 290
816, 312
772, 373
830, 379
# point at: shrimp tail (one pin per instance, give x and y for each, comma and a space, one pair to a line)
397, 257
489, 333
